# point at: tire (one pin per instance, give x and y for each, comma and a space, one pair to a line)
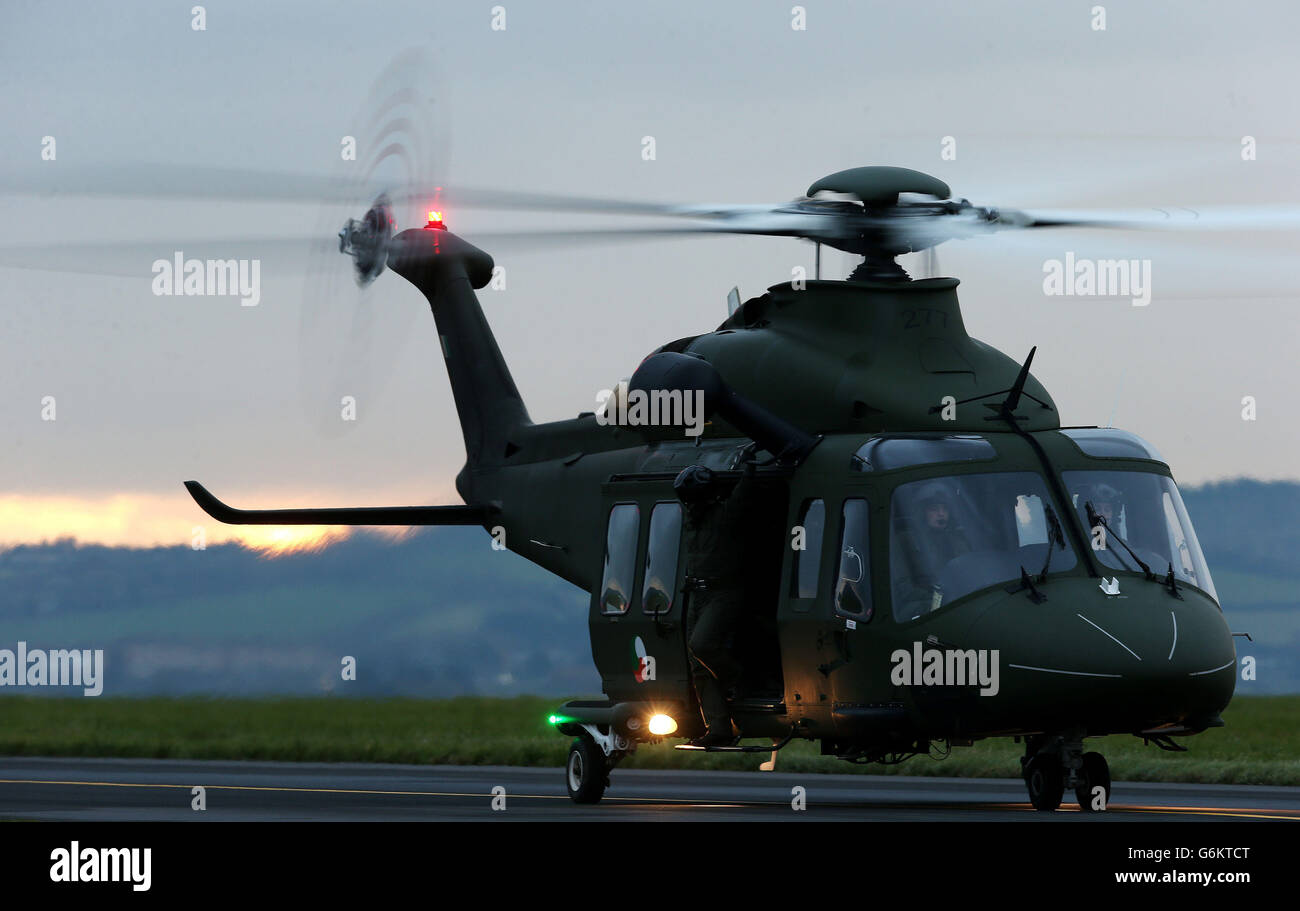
586, 773
1095, 773
1045, 781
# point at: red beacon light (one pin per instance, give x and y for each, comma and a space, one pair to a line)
435, 221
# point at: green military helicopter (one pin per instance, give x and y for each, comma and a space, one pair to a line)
936, 557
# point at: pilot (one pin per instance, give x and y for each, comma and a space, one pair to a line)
716, 525
942, 539
1107, 503
933, 541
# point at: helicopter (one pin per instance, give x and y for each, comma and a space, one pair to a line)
935, 558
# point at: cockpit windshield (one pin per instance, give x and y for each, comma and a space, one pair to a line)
1146, 513
952, 536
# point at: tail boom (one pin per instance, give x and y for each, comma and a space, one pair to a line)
368, 515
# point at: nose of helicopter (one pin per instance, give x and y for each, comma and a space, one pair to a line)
1127, 661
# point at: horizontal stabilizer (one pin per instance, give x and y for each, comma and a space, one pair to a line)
369, 515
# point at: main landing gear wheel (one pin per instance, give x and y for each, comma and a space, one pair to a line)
1095, 773
587, 771
1045, 780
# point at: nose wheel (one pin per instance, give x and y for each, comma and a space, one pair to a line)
1094, 774
1045, 780
1054, 764
587, 771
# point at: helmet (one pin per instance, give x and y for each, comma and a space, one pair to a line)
1102, 493
934, 492
695, 484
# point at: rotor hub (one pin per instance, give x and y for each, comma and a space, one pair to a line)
367, 240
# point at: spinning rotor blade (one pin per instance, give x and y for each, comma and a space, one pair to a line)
164, 181
136, 258
917, 232
1215, 218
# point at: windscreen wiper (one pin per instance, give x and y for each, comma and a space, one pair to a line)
1094, 520
1172, 583
1054, 536
1026, 583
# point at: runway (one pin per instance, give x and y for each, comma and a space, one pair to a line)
158, 789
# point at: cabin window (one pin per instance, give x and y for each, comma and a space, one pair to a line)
808, 558
1144, 511
660, 581
620, 558
955, 535
853, 582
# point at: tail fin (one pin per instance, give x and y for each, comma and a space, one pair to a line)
447, 270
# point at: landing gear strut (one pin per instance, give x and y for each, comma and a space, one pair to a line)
587, 771
1054, 763
592, 756
1094, 774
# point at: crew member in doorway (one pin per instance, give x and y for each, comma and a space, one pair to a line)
716, 524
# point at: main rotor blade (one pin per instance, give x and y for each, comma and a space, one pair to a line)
136, 258
1179, 218
161, 181
512, 200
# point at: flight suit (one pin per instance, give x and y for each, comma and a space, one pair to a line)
926, 552
715, 539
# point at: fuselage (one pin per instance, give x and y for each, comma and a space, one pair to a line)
1146, 656
934, 523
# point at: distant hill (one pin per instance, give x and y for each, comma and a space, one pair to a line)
1250, 533
440, 613
1248, 526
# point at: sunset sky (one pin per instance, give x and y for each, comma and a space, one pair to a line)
153, 390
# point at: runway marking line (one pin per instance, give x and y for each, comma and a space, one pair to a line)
1244, 813
238, 787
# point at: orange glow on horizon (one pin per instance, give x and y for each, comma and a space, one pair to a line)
154, 520
276, 540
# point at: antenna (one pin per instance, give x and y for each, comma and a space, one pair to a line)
733, 301
1012, 401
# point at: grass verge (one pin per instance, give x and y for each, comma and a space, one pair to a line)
1259, 745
